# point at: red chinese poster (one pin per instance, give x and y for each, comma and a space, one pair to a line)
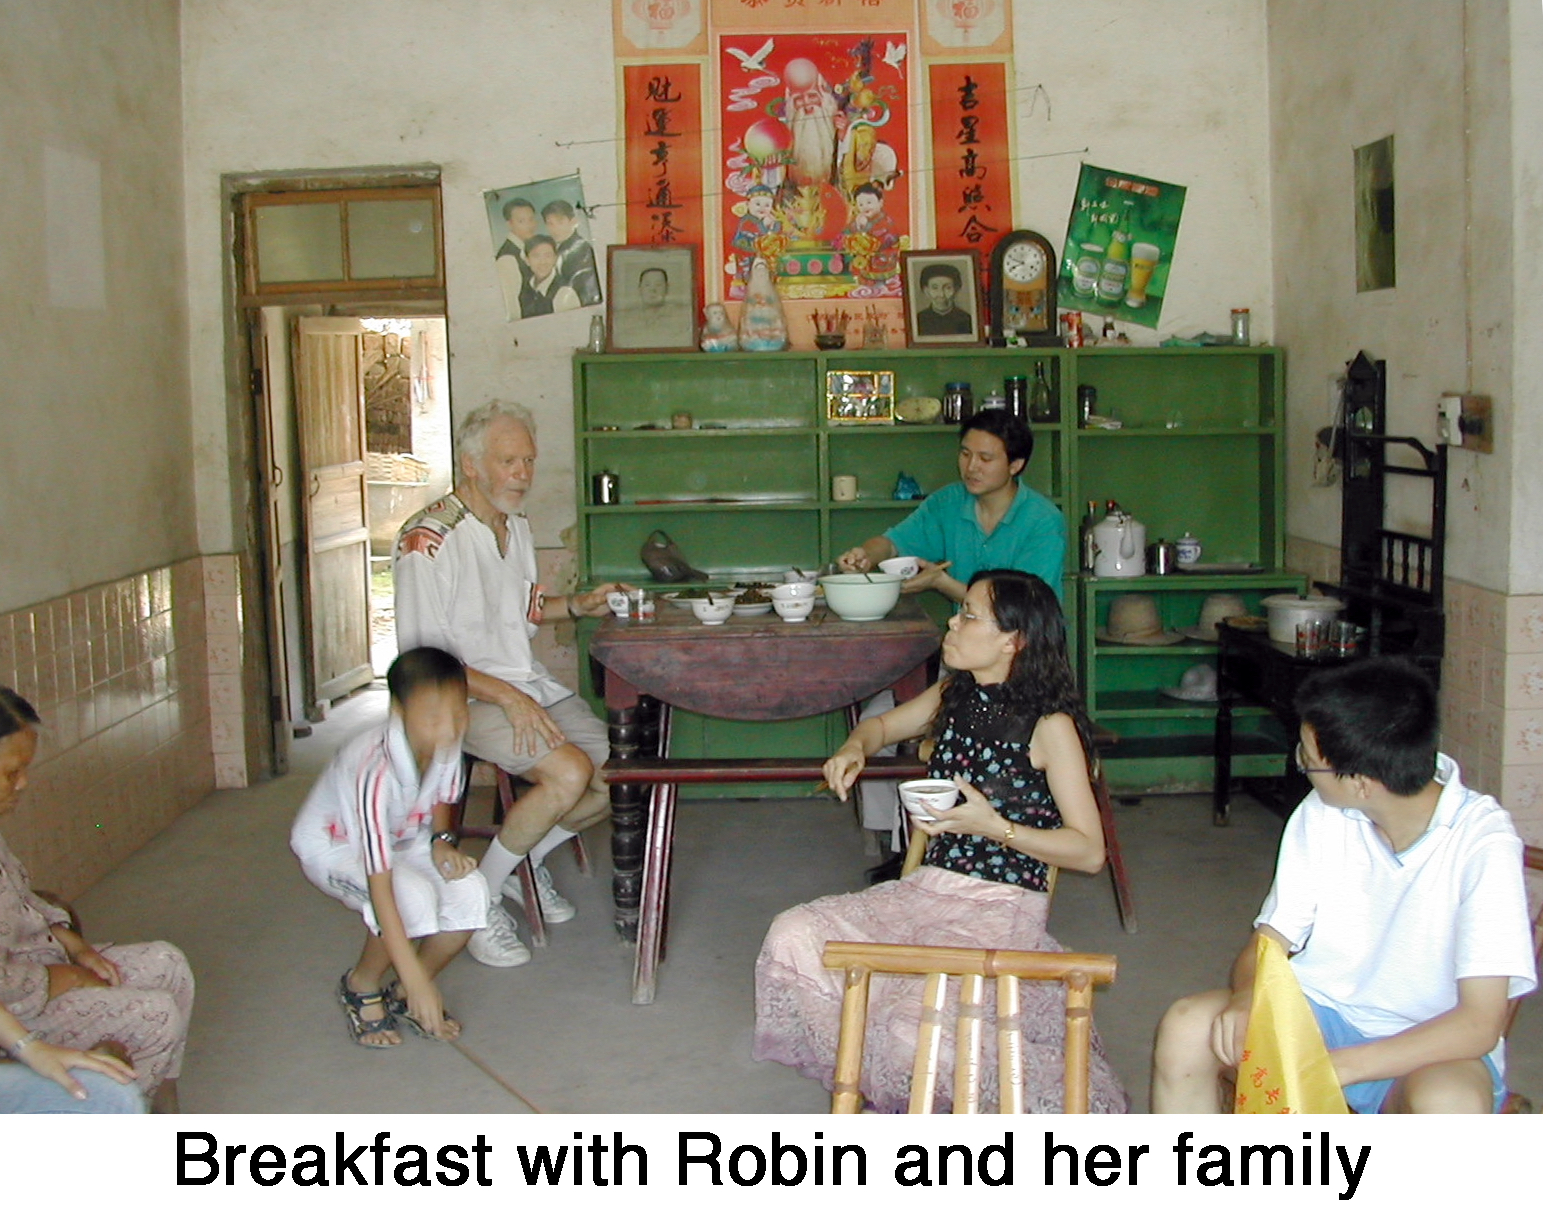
972, 182
663, 106
816, 138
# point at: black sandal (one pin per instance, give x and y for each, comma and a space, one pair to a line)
354, 1006
396, 1003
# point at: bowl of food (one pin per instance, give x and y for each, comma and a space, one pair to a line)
905, 567
754, 602
715, 609
793, 610
919, 795
861, 596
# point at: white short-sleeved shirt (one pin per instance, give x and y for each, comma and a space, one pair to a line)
371, 799
456, 591
1383, 938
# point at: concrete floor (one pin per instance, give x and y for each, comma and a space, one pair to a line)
560, 1034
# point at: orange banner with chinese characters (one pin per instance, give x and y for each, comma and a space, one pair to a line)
972, 178
796, 16
1285, 1069
663, 108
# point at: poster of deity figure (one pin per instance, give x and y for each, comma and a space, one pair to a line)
816, 137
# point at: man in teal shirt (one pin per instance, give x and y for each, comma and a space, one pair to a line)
987, 520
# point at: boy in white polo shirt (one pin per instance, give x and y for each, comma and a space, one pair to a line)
1398, 893
374, 833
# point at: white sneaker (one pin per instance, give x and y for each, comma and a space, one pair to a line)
554, 906
498, 943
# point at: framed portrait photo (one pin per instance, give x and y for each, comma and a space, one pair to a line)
651, 297
943, 304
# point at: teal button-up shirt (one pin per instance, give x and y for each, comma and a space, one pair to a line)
1031, 537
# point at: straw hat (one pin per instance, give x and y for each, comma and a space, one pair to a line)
1198, 685
1133, 620
1213, 611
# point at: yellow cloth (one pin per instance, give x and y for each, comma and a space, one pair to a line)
1285, 1067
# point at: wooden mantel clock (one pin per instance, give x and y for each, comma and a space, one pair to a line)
1023, 280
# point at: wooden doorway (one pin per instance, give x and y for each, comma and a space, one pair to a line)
300, 302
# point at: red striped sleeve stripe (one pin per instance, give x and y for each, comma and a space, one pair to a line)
374, 831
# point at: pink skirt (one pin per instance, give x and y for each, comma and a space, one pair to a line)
798, 1000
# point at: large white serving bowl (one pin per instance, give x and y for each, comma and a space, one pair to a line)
861, 596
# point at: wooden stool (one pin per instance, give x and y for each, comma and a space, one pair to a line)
503, 801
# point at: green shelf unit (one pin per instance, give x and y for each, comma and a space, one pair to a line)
1167, 744
1217, 475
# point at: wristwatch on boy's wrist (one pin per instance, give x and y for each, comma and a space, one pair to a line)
449, 836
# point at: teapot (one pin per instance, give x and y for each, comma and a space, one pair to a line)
1119, 546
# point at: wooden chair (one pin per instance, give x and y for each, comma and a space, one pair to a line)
1532, 859
1079, 972
503, 801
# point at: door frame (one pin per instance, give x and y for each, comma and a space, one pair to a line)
250, 460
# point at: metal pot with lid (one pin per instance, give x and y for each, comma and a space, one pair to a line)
1288, 611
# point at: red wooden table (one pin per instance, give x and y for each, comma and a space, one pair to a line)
752, 669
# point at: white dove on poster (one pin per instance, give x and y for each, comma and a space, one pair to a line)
894, 55
757, 61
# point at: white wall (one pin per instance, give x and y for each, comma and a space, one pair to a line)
1427, 72
486, 89
95, 461
1526, 140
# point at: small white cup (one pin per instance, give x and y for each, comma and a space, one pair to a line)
617, 602
904, 567
793, 610
843, 488
916, 795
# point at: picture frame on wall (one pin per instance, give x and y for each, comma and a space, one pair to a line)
651, 294
859, 396
943, 302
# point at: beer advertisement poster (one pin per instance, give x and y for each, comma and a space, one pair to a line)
1119, 245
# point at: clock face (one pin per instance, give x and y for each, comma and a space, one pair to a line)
1023, 263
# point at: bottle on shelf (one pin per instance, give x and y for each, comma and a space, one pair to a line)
1042, 407
1017, 389
1114, 274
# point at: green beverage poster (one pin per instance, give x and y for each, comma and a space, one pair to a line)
1119, 245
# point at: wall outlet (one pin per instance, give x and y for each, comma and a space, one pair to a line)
1466, 421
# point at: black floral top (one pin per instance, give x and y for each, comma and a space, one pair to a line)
989, 746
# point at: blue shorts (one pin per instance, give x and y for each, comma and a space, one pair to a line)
1366, 1097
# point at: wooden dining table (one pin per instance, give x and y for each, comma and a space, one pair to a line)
750, 668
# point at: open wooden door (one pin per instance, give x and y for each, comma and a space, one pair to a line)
335, 598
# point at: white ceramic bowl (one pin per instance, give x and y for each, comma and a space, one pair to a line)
939, 794
793, 610
800, 576
905, 567
861, 596
798, 590
714, 610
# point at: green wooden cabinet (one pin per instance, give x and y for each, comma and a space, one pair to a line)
745, 491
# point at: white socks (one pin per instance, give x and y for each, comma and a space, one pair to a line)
555, 837
498, 862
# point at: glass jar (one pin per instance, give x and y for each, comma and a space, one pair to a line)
1240, 327
958, 402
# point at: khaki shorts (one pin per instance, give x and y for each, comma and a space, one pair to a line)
490, 737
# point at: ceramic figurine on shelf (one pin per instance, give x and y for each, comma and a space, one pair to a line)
718, 333
907, 487
762, 325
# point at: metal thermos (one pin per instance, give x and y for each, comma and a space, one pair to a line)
605, 488
1162, 557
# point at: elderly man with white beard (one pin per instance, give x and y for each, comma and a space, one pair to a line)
465, 575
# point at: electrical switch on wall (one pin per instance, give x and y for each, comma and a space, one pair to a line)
1465, 421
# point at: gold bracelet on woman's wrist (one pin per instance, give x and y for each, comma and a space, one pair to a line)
1007, 838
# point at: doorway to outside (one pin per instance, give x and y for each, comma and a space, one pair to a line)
407, 449
342, 298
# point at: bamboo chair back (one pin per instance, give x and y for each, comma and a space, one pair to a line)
1078, 971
